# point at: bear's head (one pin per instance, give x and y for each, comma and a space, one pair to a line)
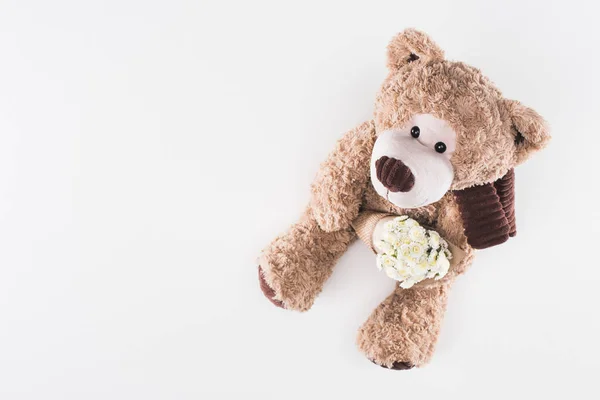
442, 126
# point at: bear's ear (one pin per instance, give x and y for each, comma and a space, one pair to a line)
529, 128
410, 46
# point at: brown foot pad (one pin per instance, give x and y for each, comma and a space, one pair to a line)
267, 290
398, 365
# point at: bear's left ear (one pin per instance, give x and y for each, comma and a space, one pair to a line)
409, 46
529, 128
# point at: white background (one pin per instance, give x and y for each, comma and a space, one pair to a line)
140, 143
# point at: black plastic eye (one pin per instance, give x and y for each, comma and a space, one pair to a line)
440, 147
415, 132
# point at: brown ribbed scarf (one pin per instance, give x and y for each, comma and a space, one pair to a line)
488, 212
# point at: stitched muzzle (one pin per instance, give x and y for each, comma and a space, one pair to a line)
394, 174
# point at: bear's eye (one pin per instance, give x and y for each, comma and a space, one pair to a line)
415, 132
440, 147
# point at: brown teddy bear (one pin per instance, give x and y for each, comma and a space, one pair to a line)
440, 150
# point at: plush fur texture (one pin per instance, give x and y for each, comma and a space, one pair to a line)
296, 264
493, 136
338, 189
405, 327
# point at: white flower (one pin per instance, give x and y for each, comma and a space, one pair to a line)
392, 238
385, 261
444, 244
432, 258
411, 222
404, 270
407, 284
404, 251
395, 274
392, 273
416, 250
409, 253
434, 239
397, 226
447, 252
422, 265
402, 231
431, 274
418, 234
405, 239
389, 226
389, 235
419, 272
384, 247
443, 265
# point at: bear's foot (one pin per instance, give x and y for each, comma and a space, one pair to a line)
403, 330
268, 290
295, 266
397, 365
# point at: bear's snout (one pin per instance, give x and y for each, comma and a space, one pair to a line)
394, 174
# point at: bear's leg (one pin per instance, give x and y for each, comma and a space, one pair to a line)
294, 267
402, 331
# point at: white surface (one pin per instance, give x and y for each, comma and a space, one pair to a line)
139, 143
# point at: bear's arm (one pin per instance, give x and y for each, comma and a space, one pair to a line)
338, 189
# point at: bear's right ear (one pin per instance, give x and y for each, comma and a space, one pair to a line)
410, 46
531, 131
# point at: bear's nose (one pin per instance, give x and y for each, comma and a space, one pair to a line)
394, 174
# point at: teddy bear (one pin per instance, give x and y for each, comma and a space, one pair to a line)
440, 151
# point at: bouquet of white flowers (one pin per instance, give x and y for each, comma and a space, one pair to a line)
410, 253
